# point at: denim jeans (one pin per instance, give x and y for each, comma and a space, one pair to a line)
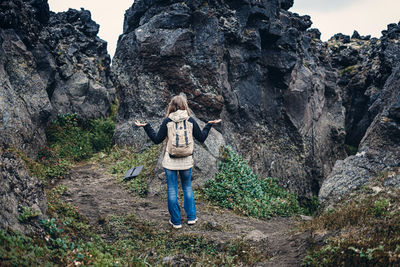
172, 193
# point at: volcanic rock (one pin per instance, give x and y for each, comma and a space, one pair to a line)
252, 63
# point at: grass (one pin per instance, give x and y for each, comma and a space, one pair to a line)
237, 187
120, 159
76, 141
364, 231
69, 142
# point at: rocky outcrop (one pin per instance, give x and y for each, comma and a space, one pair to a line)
370, 81
49, 64
19, 191
82, 81
252, 63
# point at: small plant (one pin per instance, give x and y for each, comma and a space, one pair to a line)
237, 187
380, 207
350, 150
348, 70
27, 214
311, 206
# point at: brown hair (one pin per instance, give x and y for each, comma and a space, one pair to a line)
178, 102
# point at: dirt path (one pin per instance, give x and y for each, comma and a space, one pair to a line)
99, 195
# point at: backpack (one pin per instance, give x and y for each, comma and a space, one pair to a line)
180, 139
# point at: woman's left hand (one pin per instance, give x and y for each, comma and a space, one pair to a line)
140, 124
215, 121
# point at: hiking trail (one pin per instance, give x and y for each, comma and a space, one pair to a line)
98, 195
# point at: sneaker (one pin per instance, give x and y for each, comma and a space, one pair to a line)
175, 226
191, 222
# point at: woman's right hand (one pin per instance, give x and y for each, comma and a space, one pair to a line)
140, 124
215, 121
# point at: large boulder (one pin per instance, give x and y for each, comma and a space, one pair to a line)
252, 63
82, 84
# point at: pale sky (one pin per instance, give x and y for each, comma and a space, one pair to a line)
368, 17
329, 16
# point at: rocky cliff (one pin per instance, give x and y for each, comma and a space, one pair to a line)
369, 79
252, 63
49, 64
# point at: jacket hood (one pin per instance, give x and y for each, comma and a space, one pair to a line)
179, 115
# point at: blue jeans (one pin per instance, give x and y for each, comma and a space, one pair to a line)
172, 192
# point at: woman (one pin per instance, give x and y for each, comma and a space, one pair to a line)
178, 111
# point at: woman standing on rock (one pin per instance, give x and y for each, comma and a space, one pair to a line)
179, 129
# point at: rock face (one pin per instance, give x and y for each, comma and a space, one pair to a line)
252, 63
82, 83
17, 191
373, 92
49, 63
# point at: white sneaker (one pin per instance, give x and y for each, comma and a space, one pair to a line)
191, 222
175, 226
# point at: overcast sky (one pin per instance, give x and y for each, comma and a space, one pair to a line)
329, 16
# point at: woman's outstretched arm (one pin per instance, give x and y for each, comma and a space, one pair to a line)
201, 135
157, 138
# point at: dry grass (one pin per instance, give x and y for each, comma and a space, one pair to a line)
362, 231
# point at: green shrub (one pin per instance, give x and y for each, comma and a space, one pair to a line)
68, 139
310, 207
74, 141
101, 133
19, 250
237, 187
380, 207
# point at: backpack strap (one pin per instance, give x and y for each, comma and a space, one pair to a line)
176, 134
186, 137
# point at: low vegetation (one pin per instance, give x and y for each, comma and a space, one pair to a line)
118, 160
361, 231
69, 240
237, 187
69, 142
74, 141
